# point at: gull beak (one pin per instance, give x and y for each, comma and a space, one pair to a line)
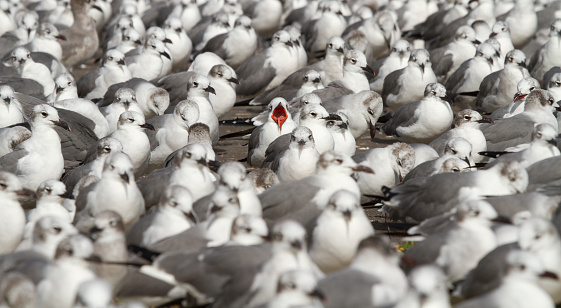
125, 177
215, 209
234, 80
361, 168
519, 96
62, 124
289, 44
548, 274
502, 219
138, 42
121, 62
447, 98
485, 120
96, 7
476, 42
165, 54
210, 90
148, 126
61, 37
340, 49
553, 142
493, 34
422, 68
192, 217
168, 41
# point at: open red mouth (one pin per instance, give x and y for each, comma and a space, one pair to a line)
279, 115
519, 96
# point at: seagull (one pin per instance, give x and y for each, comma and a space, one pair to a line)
116, 191
401, 51
23, 34
424, 120
198, 90
223, 80
343, 140
38, 158
279, 122
113, 70
13, 218
148, 64
523, 22
46, 41
390, 165
503, 179
292, 157
27, 68
266, 16
292, 88
296, 287
266, 69
181, 45
317, 31
81, 38
449, 58
236, 46
427, 286
315, 117
171, 132
467, 124
12, 112
123, 100
497, 88
10, 137
407, 85
516, 106
544, 58
337, 232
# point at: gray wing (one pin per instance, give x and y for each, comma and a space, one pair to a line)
547, 76
8, 41
348, 288
488, 273
201, 207
376, 65
254, 76
9, 162
439, 143
544, 172
110, 94
135, 233
176, 85
402, 117
86, 84
422, 170
285, 90
486, 87
444, 65
286, 198
28, 102
428, 250
508, 132
71, 178
535, 60
158, 122
136, 284
153, 185
333, 90
76, 142
254, 140
456, 79
23, 85
216, 46
28, 262
192, 239
391, 84
275, 149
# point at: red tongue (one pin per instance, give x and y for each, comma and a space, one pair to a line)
279, 115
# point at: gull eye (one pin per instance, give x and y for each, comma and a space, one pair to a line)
353, 61
196, 84
339, 161
44, 114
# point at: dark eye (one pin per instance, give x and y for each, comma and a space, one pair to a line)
130, 120
107, 149
532, 88
339, 161
57, 230
353, 61
455, 169
44, 114
467, 117
188, 155
69, 83
154, 46
196, 84
3, 185
313, 114
110, 58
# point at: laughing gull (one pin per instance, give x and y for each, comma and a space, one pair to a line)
148, 64
173, 216
315, 117
8, 21
115, 31
13, 218
343, 140
108, 236
279, 122
472, 224
455, 147
237, 45
333, 172
17, 290
497, 88
105, 146
171, 132
291, 88
509, 132
516, 105
331, 67
466, 125
116, 190
190, 171
153, 101
223, 80
217, 25
10, 137
288, 253
233, 177
408, 84
292, 157
266, 69
81, 38
503, 179
543, 146
69, 270
424, 120
130, 40
123, 100
27, 68
204, 62
544, 58
329, 23
381, 31
401, 51
354, 79
12, 112
39, 158
266, 16
363, 110
23, 34
523, 22
263, 179
296, 287
501, 33
390, 165
449, 58
469, 75
519, 286
337, 232
427, 286
113, 70
46, 41
180, 46
198, 90
372, 279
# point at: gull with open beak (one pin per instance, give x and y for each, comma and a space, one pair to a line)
279, 122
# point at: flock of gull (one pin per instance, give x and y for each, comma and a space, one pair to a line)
111, 194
